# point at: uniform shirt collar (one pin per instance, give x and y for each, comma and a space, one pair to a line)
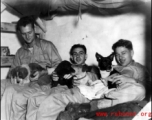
131, 63
36, 43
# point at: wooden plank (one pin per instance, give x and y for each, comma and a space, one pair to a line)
8, 27
11, 27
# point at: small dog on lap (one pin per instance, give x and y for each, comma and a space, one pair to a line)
78, 73
65, 67
106, 70
20, 74
44, 78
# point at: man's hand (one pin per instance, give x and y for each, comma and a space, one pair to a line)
67, 76
110, 78
104, 81
36, 76
55, 77
121, 79
76, 82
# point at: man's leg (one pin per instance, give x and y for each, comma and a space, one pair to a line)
6, 102
55, 103
4, 84
38, 97
125, 93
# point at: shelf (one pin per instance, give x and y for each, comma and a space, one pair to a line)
6, 61
11, 28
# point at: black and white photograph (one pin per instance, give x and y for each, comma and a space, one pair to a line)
76, 60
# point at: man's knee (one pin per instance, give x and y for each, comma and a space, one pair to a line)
140, 93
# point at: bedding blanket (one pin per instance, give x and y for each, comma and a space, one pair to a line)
50, 108
96, 90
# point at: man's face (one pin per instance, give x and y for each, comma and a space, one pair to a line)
78, 56
27, 33
123, 56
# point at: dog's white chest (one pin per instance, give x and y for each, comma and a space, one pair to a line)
104, 74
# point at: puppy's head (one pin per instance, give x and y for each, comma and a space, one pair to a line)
105, 63
63, 68
34, 67
21, 74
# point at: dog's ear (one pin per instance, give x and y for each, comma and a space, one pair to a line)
98, 56
71, 59
14, 72
111, 56
22, 73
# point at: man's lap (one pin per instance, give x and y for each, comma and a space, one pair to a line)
55, 103
18, 95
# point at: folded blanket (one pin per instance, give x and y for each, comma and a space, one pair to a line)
95, 91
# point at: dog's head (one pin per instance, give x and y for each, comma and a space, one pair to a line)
21, 74
105, 63
63, 68
34, 67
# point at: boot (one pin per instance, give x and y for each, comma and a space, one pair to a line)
74, 111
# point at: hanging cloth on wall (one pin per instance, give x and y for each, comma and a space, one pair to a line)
43, 7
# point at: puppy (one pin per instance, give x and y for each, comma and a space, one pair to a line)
105, 66
34, 67
21, 74
44, 78
65, 67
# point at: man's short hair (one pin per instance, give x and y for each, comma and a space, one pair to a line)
25, 21
122, 43
78, 46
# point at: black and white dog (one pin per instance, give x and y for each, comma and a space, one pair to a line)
20, 74
77, 71
105, 66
